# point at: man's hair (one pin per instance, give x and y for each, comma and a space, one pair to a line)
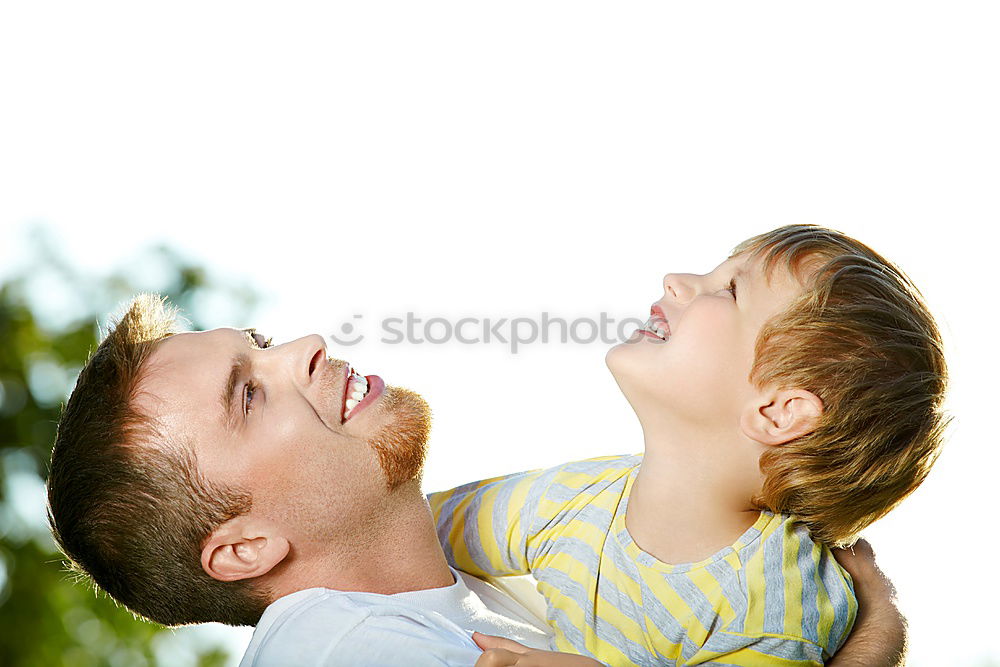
861, 338
127, 505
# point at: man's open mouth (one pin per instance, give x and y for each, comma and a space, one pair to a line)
354, 392
360, 391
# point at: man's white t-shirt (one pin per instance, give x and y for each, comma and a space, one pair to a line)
321, 626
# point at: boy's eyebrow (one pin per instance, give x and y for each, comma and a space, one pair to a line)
741, 277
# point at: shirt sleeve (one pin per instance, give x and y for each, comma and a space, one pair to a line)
725, 648
514, 524
484, 526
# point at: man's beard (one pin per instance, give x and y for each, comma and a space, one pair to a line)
401, 444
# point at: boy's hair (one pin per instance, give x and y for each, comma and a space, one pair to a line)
861, 338
127, 506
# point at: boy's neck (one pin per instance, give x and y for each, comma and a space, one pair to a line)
691, 499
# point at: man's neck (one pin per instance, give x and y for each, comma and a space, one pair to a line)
691, 497
399, 551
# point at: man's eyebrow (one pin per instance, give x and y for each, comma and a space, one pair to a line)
240, 366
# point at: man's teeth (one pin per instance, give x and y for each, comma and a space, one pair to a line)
357, 388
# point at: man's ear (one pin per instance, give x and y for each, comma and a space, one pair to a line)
243, 548
777, 416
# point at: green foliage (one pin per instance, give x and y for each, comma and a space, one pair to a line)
49, 316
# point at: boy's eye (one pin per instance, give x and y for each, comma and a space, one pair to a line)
732, 287
248, 391
258, 339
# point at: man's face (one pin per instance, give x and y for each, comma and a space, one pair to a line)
271, 420
699, 373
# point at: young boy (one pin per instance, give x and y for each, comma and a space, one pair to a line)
787, 399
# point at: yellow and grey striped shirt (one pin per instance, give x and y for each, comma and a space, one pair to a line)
775, 597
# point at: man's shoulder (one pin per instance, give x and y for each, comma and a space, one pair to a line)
321, 626
302, 624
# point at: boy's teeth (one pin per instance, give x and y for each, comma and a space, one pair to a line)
650, 327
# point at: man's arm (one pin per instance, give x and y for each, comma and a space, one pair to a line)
879, 636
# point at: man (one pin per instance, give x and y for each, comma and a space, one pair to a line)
210, 476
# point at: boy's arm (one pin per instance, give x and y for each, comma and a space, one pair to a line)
879, 637
501, 652
484, 526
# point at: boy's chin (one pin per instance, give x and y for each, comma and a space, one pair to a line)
630, 367
612, 358
623, 358
618, 362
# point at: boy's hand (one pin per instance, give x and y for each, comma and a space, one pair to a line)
879, 635
500, 652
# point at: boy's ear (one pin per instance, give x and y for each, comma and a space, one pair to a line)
778, 416
243, 548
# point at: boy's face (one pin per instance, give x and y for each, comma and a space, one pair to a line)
698, 375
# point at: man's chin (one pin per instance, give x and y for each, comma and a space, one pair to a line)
401, 443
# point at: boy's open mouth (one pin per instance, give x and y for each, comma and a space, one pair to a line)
657, 323
651, 326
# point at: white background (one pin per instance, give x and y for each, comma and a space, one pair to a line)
504, 159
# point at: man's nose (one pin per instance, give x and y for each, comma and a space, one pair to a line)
307, 356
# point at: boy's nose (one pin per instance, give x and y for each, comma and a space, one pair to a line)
677, 287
